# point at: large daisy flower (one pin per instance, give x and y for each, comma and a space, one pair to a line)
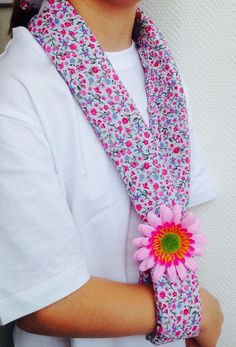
169, 243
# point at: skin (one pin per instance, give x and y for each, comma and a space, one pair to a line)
111, 21
103, 308
212, 321
100, 308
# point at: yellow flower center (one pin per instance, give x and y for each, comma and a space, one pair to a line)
170, 242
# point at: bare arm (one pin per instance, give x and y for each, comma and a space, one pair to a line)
100, 308
104, 308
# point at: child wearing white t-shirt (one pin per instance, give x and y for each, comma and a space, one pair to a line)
67, 224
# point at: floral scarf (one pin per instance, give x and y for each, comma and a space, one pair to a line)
154, 161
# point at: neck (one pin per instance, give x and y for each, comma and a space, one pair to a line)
111, 21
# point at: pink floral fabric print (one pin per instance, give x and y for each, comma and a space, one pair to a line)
178, 309
154, 161
167, 246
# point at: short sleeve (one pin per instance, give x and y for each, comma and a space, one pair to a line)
41, 258
202, 188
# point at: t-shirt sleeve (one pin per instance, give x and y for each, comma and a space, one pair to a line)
41, 258
202, 188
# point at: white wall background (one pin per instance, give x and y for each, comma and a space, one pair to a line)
202, 36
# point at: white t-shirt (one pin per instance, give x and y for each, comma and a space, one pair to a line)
64, 211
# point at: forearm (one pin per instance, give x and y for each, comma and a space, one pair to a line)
100, 308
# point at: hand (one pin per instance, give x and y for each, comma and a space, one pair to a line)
212, 320
192, 343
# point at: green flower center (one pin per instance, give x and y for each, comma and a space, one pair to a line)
170, 243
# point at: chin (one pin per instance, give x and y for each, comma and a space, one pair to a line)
124, 3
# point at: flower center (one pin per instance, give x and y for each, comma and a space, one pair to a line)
170, 243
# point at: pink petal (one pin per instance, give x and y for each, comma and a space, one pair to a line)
153, 219
188, 220
151, 262
197, 250
158, 272
143, 265
181, 270
145, 229
147, 264
176, 212
200, 239
141, 241
141, 254
190, 264
165, 214
195, 227
171, 272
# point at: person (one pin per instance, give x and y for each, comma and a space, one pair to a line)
67, 274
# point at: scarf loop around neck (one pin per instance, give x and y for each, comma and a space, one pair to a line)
154, 161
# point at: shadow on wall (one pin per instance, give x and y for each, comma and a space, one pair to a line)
5, 13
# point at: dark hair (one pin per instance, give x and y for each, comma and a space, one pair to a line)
22, 17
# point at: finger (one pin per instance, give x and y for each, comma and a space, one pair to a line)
192, 343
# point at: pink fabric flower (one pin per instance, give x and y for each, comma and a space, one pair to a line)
169, 243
